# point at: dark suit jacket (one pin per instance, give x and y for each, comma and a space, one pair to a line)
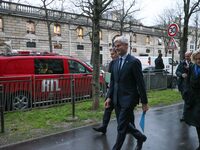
127, 86
182, 68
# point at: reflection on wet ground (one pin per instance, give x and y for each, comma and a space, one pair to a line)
162, 127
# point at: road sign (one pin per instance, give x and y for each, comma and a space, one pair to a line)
172, 30
172, 44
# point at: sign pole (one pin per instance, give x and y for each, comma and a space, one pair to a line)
172, 31
172, 68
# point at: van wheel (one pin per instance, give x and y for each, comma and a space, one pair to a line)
20, 101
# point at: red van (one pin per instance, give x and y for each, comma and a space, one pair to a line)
31, 80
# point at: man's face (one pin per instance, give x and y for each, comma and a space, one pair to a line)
187, 56
121, 48
113, 55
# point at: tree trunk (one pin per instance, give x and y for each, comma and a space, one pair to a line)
92, 42
96, 54
48, 26
184, 39
49, 36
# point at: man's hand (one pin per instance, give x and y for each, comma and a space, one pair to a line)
107, 103
145, 107
184, 75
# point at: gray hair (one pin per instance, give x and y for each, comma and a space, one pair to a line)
188, 53
121, 39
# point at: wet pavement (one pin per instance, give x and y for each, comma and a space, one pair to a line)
163, 129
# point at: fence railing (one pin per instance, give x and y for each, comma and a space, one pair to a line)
156, 80
25, 92
1, 109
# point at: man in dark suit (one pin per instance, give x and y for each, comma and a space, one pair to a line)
126, 88
182, 74
108, 111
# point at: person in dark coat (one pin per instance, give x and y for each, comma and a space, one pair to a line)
108, 111
182, 73
127, 87
159, 65
192, 112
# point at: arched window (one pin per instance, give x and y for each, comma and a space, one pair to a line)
147, 39
100, 35
79, 31
134, 38
1, 24
57, 29
159, 41
30, 27
147, 50
134, 50
192, 45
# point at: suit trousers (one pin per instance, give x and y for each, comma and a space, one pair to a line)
107, 115
124, 116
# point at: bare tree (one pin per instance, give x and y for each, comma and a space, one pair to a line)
196, 34
189, 7
124, 12
167, 17
94, 10
45, 5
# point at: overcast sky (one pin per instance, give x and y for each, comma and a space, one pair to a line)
150, 9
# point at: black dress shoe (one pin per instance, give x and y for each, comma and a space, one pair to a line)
140, 142
100, 129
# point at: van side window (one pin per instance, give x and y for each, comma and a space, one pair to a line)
76, 67
48, 66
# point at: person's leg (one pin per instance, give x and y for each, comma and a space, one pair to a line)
132, 122
137, 134
132, 118
123, 120
107, 115
106, 119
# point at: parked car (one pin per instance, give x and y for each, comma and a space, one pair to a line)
171, 81
30, 80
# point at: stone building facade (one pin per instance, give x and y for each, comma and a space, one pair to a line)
24, 28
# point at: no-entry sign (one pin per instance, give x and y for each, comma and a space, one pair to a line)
172, 30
